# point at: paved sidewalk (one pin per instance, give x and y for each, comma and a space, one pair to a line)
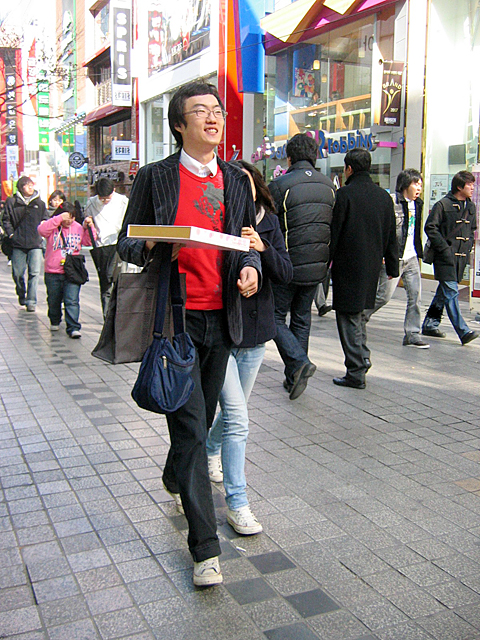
370, 500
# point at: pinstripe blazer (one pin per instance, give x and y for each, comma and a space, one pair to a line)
154, 200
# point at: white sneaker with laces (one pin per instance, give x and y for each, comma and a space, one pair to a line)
207, 573
215, 470
178, 500
243, 521
54, 327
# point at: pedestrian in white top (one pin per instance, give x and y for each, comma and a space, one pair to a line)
107, 209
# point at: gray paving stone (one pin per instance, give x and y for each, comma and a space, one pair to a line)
19, 621
64, 611
83, 629
120, 623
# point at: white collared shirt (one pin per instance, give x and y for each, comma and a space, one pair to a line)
197, 168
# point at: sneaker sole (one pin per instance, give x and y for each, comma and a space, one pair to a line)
207, 581
216, 479
418, 346
244, 531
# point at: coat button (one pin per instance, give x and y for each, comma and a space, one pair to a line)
253, 314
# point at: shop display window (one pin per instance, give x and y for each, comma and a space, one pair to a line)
119, 131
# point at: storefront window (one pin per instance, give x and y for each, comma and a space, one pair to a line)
118, 131
324, 87
154, 131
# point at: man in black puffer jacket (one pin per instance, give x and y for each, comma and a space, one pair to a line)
23, 213
304, 199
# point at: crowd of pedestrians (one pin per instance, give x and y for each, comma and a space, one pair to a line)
301, 232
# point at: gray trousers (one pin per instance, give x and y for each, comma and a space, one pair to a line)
412, 282
353, 337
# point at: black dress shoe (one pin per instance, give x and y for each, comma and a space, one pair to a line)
468, 337
300, 379
434, 333
325, 309
287, 386
348, 382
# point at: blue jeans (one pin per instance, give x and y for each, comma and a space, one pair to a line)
292, 341
21, 260
412, 282
186, 467
229, 432
60, 290
446, 296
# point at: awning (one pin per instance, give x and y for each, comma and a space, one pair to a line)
66, 124
104, 111
291, 23
89, 62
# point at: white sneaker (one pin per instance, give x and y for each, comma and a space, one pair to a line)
54, 327
243, 521
215, 470
207, 573
178, 500
75, 335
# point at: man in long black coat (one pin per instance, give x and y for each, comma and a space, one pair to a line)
363, 235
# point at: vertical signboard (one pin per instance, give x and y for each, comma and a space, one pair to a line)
43, 105
11, 136
392, 84
121, 50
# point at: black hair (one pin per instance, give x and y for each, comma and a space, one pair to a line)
460, 179
66, 207
56, 194
264, 197
302, 147
177, 104
405, 179
358, 160
104, 187
22, 181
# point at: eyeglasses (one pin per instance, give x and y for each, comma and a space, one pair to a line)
203, 113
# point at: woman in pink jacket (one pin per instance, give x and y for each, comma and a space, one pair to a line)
59, 289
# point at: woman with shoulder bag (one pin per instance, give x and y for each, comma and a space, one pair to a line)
64, 237
228, 436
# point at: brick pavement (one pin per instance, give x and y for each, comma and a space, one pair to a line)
370, 500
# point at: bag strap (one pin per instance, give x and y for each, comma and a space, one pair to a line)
92, 239
168, 273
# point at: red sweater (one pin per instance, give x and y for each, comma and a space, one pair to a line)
201, 205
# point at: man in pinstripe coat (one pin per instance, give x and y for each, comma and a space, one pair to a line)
194, 187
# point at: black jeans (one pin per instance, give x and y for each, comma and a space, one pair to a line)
186, 468
105, 266
292, 341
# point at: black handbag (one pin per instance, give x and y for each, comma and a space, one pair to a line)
428, 253
7, 246
164, 382
74, 267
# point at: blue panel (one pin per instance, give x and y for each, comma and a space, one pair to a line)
251, 57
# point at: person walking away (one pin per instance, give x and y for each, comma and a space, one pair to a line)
408, 216
23, 213
195, 187
304, 201
107, 208
363, 235
59, 289
227, 438
450, 227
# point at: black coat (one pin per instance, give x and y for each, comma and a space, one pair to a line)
304, 200
363, 234
258, 310
451, 232
154, 200
25, 234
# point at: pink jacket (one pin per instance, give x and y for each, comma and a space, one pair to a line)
75, 237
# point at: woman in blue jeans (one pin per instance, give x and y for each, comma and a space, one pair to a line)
228, 436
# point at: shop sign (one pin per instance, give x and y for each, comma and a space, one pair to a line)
76, 160
392, 84
43, 108
326, 146
123, 150
11, 105
121, 48
175, 34
107, 172
12, 162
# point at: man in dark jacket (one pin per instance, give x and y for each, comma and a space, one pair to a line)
304, 199
450, 228
408, 215
363, 235
194, 187
23, 213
